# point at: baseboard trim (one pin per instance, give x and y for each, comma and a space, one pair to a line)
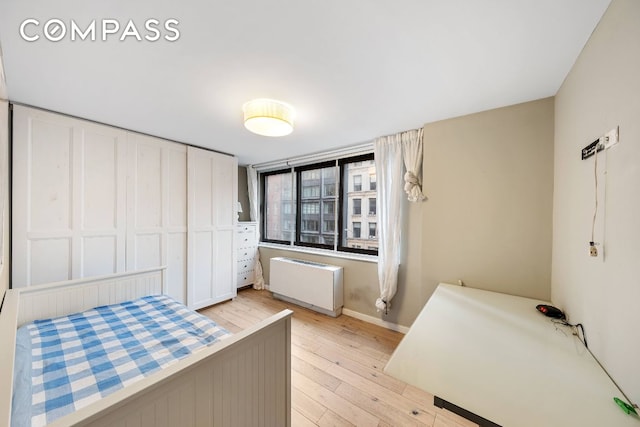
368, 319
376, 321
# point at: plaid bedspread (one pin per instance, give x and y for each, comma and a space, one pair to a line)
83, 357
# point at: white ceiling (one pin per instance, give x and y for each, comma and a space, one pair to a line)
354, 69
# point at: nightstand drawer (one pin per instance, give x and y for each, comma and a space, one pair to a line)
247, 254
245, 239
245, 278
245, 265
249, 228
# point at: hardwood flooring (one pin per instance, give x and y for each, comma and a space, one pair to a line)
337, 364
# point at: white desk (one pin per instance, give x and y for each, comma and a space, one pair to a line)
495, 356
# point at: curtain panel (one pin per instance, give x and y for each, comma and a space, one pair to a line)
412, 155
254, 212
388, 158
390, 153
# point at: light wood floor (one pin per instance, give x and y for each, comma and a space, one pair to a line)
337, 377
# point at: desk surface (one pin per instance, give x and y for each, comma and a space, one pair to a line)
494, 355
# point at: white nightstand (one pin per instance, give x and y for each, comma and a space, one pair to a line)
247, 247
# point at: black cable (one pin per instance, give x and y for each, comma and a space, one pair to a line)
584, 337
577, 326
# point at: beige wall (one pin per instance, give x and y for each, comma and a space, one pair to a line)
489, 178
4, 170
602, 91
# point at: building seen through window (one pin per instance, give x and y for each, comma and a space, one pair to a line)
361, 205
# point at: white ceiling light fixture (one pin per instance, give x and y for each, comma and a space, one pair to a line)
268, 117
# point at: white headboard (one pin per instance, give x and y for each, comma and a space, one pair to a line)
73, 296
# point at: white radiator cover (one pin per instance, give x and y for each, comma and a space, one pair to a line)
310, 284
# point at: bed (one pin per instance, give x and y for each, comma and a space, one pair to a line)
231, 380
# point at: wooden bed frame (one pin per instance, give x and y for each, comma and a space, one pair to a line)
242, 380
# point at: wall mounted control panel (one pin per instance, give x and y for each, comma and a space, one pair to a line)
605, 142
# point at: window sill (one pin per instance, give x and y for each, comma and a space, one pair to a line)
321, 252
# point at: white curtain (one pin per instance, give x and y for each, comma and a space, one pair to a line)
388, 158
412, 154
254, 212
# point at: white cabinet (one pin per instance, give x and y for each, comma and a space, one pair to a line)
213, 189
69, 198
91, 199
157, 209
247, 252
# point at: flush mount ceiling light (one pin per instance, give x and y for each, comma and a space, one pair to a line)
268, 117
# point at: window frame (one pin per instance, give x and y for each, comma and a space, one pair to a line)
298, 171
263, 216
358, 205
375, 230
340, 204
359, 184
375, 204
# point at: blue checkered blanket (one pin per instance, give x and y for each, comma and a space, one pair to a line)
78, 359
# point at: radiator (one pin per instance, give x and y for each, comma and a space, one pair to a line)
309, 284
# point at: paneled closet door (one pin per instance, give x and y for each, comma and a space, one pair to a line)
157, 209
69, 195
212, 187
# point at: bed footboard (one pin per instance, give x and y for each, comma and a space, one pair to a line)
243, 380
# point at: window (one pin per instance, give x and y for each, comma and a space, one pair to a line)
356, 230
309, 225
320, 205
313, 238
329, 208
372, 181
351, 172
357, 183
372, 230
372, 206
357, 206
329, 226
311, 175
318, 195
310, 208
278, 203
310, 191
329, 190
329, 183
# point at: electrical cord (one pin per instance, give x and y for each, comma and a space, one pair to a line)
595, 210
576, 326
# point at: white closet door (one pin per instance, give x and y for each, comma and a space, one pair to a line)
69, 215
212, 188
157, 209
